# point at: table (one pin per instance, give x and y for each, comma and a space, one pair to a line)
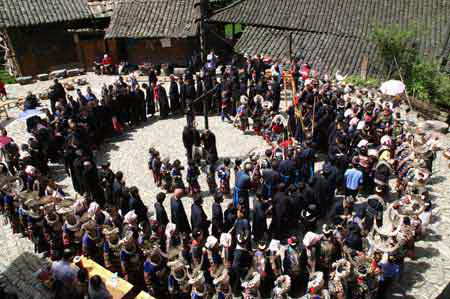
123, 287
144, 295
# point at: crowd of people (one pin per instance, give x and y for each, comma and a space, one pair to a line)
291, 229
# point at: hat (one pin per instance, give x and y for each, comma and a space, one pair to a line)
316, 281
372, 153
342, 268
211, 242
51, 218
363, 143
292, 241
34, 213
197, 277
262, 245
327, 229
89, 226
30, 170
110, 231
349, 199
225, 239
378, 189
220, 274
130, 217
259, 98
311, 239
170, 229
251, 280
282, 285
267, 105
244, 99
242, 237
274, 245
72, 226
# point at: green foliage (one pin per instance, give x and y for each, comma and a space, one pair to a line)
6, 78
360, 81
429, 83
396, 48
401, 60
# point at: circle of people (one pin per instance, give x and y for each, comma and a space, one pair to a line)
290, 230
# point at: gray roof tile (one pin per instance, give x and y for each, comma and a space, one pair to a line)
22, 13
153, 19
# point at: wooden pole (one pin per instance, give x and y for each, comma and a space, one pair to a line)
401, 78
203, 16
313, 116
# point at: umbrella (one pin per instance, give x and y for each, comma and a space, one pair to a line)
29, 113
392, 87
4, 140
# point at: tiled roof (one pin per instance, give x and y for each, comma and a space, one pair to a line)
334, 28
24, 13
153, 19
327, 53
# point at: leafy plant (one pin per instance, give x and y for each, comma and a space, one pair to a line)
360, 81
401, 59
397, 48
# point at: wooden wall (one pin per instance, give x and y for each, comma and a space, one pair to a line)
92, 47
42, 49
138, 51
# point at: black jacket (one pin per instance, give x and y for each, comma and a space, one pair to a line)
217, 219
199, 220
178, 216
161, 214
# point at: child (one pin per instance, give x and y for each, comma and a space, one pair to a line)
156, 168
177, 177
277, 127
223, 172
211, 179
151, 157
165, 175
192, 177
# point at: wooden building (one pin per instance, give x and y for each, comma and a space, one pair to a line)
156, 31
35, 35
333, 34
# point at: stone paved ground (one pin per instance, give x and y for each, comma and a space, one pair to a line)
424, 277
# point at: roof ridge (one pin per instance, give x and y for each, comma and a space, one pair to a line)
228, 7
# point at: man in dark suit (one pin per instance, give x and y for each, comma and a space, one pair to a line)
276, 94
280, 213
182, 93
135, 203
178, 214
188, 141
174, 96
149, 99
217, 216
160, 211
199, 220
259, 221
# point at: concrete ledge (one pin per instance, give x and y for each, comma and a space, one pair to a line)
73, 72
58, 74
24, 80
42, 77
